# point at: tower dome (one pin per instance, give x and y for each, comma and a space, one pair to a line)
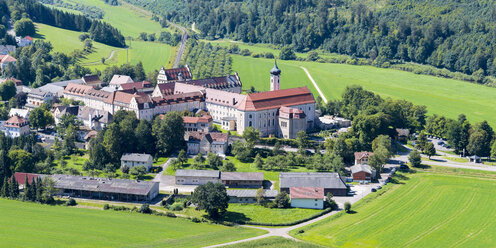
275, 70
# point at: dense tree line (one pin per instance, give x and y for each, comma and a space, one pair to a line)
457, 35
99, 31
136, 72
37, 65
89, 11
207, 61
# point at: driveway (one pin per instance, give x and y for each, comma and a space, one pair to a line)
168, 182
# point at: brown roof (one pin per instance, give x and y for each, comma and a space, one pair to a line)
92, 79
136, 85
179, 98
7, 59
276, 99
361, 155
172, 74
244, 176
122, 97
219, 83
77, 89
166, 89
20, 177
306, 193
16, 121
194, 120
291, 112
211, 137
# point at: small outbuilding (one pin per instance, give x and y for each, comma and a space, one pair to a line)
131, 160
475, 159
362, 172
307, 197
196, 177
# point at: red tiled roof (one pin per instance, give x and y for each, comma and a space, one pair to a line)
179, 98
276, 99
211, 137
291, 113
77, 89
166, 89
20, 177
92, 79
136, 85
29, 38
194, 120
123, 97
361, 155
306, 193
16, 121
7, 59
172, 74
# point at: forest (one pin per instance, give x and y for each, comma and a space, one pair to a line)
456, 35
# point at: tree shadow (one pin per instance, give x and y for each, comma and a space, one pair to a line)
423, 166
352, 212
234, 217
266, 184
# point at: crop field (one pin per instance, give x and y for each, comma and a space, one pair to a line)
260, 214
35, 225
270, 242
424, 210
442, 96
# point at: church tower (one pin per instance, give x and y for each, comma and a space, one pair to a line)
275, 78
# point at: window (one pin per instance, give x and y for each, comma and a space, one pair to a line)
249, 124
284, 124
249, 116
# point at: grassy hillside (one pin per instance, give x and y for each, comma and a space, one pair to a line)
270, 242
441, 96
34, 225
429, 210
153, 55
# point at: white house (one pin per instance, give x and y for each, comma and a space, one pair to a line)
307, 197
37, 97
24, 113
131, 160
16, 126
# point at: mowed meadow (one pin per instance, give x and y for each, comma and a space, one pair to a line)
36, 225
130, 21
442, 96
425, 210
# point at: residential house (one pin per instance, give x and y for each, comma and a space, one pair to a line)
196, 177
331, 182
131, 160
242, 179
362, 172
120, 79
249, 195
37, 97
60, 110
362, 157
206, 142
92, 80
200, 124
307, 197
402, 134
26, 41
94, 119
16, 81
6, 49
172, 75
16, 126
5, 60
55, 90
105, 188
24, 113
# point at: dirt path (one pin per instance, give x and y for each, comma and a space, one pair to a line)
314, 84
98, 62
180, 51
279, 232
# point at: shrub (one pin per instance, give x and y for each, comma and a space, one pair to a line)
106, 207
287, 54
169, 214
176, 206
257, 55
347, 207
282, 200
245, 52
196, 220
269, 55
71, 202
145, 209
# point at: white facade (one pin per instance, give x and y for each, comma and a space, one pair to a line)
307, 203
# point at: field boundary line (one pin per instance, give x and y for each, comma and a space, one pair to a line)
314, 83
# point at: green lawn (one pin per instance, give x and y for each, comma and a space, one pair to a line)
424, 210
260, 214
33, 225
270, 242
443, 96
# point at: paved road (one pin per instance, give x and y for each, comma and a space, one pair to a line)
314, 84
184, 38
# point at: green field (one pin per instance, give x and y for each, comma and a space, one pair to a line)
442, 96
151, 54
270, 242
260, 214
424, 210
34, 225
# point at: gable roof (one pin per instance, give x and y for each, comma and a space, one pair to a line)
276, 99
7, 59
16, 121
217, 138
197, 173
251, 193
326, 180
77, 89
219, 83
173, 74
362, 155
195, 120
242, 176
120, 79
166, 89
306, 193
361, 167
138, 157
91, 79
136, 85
20, 177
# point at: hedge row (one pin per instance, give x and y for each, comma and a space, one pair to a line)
328, 210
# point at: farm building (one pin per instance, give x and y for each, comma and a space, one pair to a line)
106, 188
131, 160
196, 177
307, 197
362, 172
249, 195
331, 182
20, 177
242, 179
